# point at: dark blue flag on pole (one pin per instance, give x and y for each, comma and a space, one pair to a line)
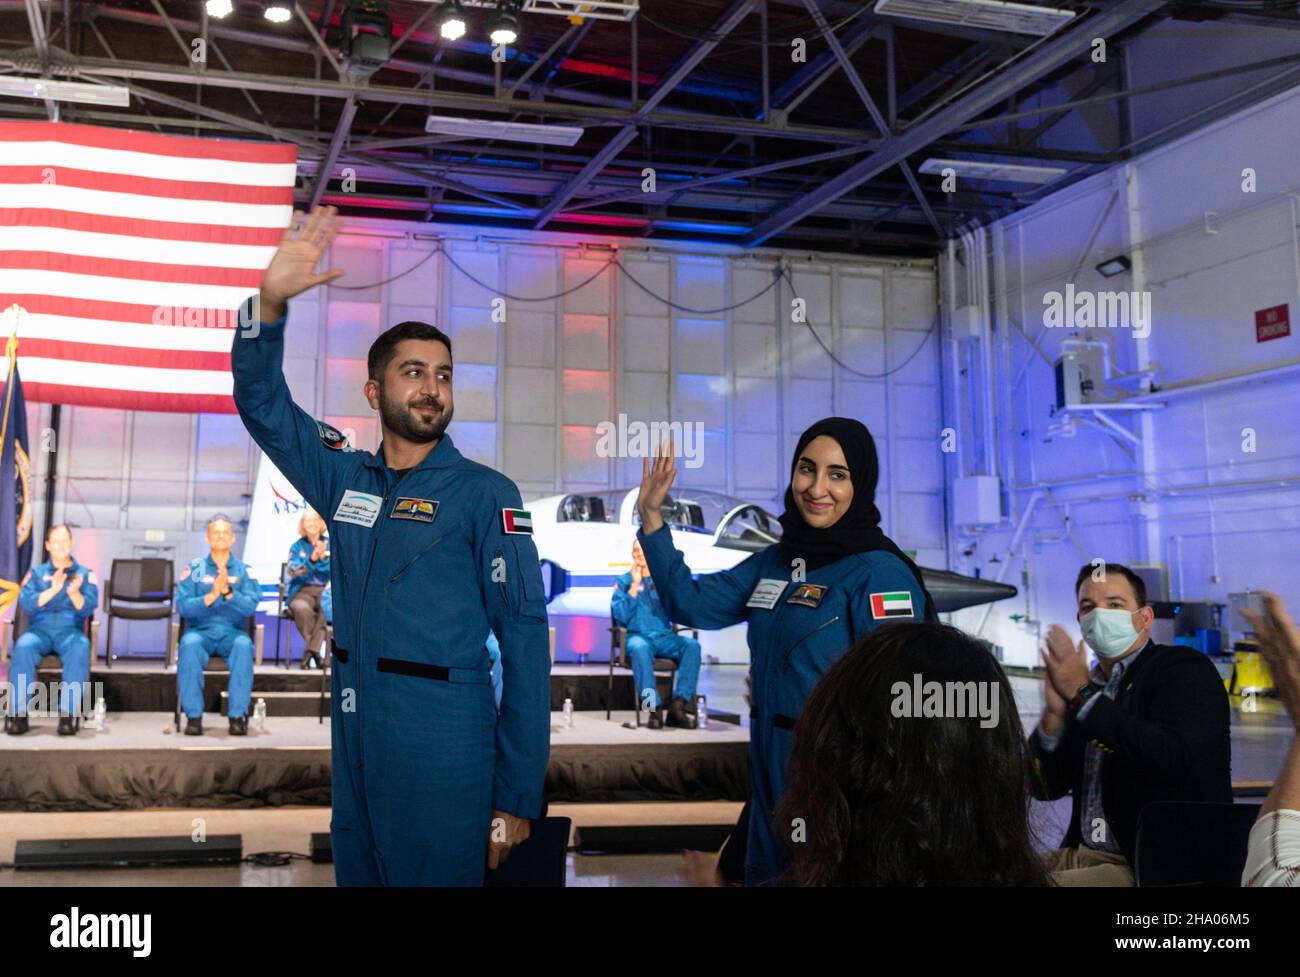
15, 481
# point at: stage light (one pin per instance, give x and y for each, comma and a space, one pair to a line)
496, 129
367, 36
1114, 266
277, 12
219, 8
451, 21
64, 91
505, 25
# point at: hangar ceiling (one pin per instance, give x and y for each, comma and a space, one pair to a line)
801, 123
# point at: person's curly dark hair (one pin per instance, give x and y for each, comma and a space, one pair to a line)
888, 800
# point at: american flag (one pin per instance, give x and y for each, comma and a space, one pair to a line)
130, 253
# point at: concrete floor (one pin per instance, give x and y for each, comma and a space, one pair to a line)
1259, 741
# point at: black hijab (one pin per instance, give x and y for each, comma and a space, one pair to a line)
858, 530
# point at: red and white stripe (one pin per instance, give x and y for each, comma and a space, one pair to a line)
113, 240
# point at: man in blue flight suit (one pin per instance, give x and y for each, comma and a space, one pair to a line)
635, 605
216, 594
57, 596
430, 552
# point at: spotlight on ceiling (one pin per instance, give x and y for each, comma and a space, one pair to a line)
219, 8
277, 11
1114, 266
451, 21
505, 24
366, 36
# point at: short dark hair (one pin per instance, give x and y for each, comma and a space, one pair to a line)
384, 348
49, 530
1137, 583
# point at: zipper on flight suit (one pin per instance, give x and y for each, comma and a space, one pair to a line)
406, 565
361, 605
785, 662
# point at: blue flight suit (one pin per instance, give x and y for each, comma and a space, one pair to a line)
426, 568
649, 636
494, 665
327, 603
57, 627
220, 629
304, 573
809, 625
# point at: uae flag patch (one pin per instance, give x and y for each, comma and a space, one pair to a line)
895, 604
517, 521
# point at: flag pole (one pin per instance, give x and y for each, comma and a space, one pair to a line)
9, 591
11, 353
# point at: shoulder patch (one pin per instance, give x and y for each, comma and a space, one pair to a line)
893, 603
331, 437
517, 522
90, 577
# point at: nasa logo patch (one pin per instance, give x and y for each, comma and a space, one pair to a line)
331, 436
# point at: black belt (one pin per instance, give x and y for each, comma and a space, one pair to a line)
398, 667
441, 673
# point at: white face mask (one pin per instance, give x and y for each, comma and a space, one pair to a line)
1109, 631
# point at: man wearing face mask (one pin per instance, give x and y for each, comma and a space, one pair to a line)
1147, 723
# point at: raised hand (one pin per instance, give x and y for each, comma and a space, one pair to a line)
293, 267
656, 480
1279, 643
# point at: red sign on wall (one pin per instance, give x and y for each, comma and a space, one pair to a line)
1273, 323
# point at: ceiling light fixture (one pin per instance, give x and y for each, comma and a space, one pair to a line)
64, 91
505, 25
451, 21
511, 131
277, 12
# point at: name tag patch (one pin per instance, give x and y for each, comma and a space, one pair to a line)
517, 522
358, 508
807, 594
891, 604
421, 510
767, 593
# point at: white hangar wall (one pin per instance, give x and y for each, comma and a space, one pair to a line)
534, 378
1209, 486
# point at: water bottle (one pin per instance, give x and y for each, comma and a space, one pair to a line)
568, 713
101, 713
702, 711
259, 715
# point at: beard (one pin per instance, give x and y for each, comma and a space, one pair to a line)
406, 420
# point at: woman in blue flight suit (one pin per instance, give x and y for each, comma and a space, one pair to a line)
309, 574
833, 578
57, 624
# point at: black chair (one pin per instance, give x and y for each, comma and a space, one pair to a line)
618, 653
1192, 843
138, 590
540, 861
216, 664
283, 616
10, 632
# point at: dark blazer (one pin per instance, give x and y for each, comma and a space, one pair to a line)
1166, 736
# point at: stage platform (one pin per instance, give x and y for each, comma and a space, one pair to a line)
140, 761
144, 685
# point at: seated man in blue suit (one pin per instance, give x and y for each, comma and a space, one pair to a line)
216, 595
635, 605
